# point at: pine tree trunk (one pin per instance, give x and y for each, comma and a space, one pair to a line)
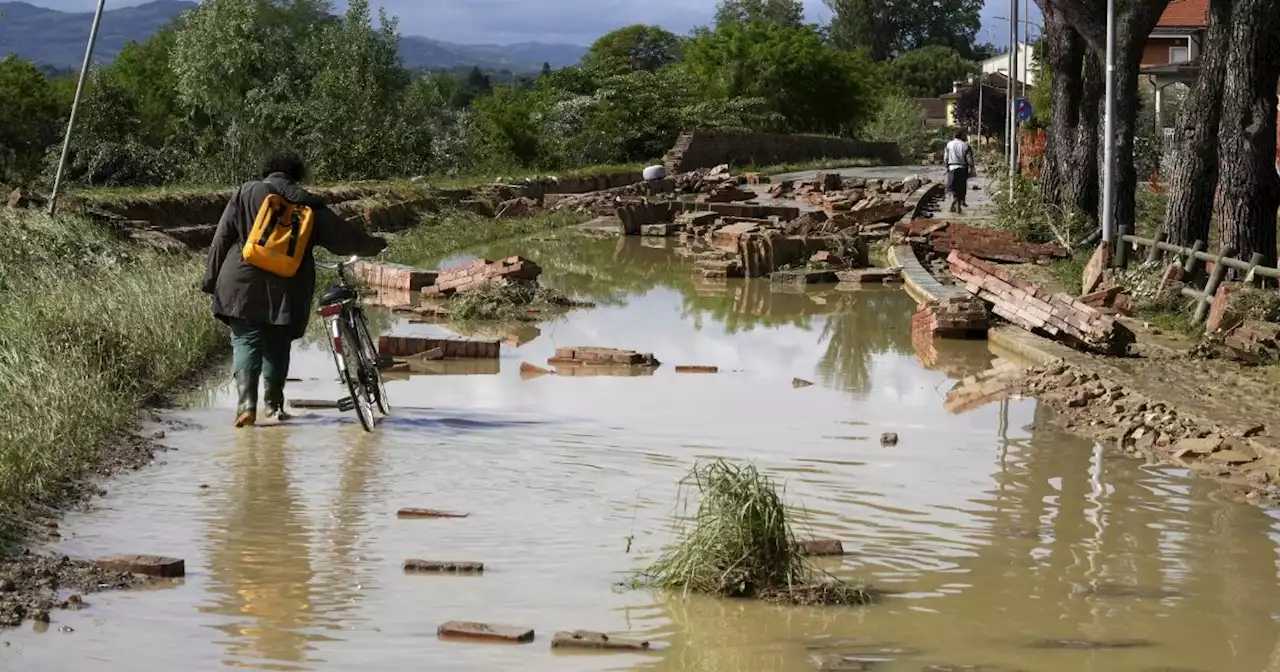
1125, 170
1195, 162
1065, 59
1250, 187
1080, 170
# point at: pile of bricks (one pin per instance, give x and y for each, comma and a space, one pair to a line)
726, 194
392, 276
452, 348
953, 317
590, 356
1038, 310
469, 276
983, 388
983, 243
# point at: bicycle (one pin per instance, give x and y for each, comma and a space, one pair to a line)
354, 353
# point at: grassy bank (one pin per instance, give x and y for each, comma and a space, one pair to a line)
90, 330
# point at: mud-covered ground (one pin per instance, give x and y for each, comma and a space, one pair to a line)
1100, 408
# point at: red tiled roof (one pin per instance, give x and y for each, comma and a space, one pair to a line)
1183, 13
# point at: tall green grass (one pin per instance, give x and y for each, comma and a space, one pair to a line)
443, 233
91, 328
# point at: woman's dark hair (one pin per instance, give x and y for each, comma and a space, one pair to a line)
284, 161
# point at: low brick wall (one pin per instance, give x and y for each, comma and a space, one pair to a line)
706, 149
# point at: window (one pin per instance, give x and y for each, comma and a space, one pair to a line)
1179, 54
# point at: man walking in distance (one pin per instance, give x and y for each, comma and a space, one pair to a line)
261, 274
959, 160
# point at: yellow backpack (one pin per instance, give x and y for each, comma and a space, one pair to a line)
278, 240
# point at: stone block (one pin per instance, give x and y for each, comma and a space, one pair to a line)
802, 277
581, 355
1235, 302
697, 369
485, 631
829, 181
148, 565
1098, 263
660, 230
583, 639
443, 566
455, 348
870, 275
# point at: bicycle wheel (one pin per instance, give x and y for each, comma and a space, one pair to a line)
371, 357
353, 367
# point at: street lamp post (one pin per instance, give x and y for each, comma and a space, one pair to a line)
1009, 95
75, 107
1109, 139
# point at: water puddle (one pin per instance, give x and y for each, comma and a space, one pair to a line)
1006, 548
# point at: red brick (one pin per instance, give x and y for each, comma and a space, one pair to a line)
149, 565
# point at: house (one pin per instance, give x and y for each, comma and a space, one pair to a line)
1000, 64
935, 111
1172, 53
992, 85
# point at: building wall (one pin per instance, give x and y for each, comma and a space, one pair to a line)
1000, 64
706, 149
1156, 52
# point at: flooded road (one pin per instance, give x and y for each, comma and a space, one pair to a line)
1002, 541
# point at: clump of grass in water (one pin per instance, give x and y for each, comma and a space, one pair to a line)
741, 544
511, 302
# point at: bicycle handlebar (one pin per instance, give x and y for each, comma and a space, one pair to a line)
340, 263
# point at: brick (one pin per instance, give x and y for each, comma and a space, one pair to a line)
428, 513
443, 566
601, 356
148, 565
484, 631
583, 639
1234, 302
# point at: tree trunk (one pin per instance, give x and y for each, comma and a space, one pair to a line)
1125, 171
1195, 162
1065, 53
1080, 170
1250, 187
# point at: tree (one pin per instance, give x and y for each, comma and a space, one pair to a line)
789, 13
902, 121
30, 118
143, 72
887, 28
1135, 20
813, 85
994, 110
1194, 180
1250, 188
1069, 172
633, 48
929, 71
546, 69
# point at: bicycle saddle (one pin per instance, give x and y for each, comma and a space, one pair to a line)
336, 294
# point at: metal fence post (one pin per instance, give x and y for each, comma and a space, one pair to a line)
1154, 254
1215, 279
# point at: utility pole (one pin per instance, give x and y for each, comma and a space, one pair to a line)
1109, 138
1009, 95
1026, 35
75, 106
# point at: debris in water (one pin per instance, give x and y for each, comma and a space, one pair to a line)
800, 382
428, 513
66, 628
1089, 644
820, 547
741, 544
484, 631
147, 565
697, 369
889, 439
584, 639
589, 356
414, 565
528, 370
313, 403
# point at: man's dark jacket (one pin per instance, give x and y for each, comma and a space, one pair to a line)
244, 292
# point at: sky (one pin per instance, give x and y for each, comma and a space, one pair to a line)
570, 21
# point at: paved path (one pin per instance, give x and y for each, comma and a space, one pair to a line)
980, 206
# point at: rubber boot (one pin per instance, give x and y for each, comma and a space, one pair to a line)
247, 391
273, 399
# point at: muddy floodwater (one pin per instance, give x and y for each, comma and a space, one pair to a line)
1008, 547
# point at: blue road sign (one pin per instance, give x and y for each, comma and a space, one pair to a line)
1022, 108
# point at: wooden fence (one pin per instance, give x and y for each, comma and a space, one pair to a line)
1193, 256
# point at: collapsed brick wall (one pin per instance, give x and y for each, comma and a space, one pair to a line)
705, 149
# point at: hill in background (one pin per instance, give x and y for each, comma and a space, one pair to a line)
57, 39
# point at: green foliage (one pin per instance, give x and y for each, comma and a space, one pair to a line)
637, 47
887, 28
902, 121
786, 13
79, 351
31, 116
803, 78
929, 72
